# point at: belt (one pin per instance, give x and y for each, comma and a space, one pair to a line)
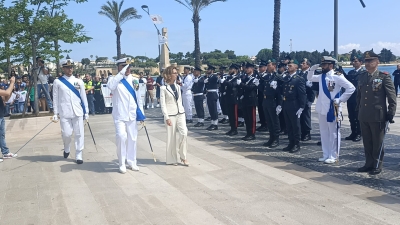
198, 94
212, 90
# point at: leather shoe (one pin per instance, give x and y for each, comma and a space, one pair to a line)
350, 137
245, 137
208, 119
319, 143
222, 121
283, 132
199, 124
226, 121
233, 133
241, 124
268, 143
262, 129
189, 121
66, 155
288, 148
364, 169
306, 137
79, 161
375, 171
357, 138
274, 144
250, 138
295, 149
212, 127
229, 132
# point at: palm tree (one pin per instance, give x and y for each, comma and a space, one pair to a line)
276, 36
196, 6
114, 12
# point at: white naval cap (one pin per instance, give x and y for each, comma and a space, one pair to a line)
66, 62
124, 61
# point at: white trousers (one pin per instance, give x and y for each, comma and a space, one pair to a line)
187, 105
177, 130
73, 125
126, 135
329, 139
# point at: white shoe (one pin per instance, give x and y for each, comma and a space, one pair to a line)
148, 106
122, 169
330, 161
133, 167
1, 160
9, 155
322, 159
158, 105
152, 106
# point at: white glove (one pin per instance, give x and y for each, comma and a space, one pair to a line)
309, 104
314, 68
273, 84
206, 81
278, 109
336, 101
309, 83
298, 113
86, 117
154, 83
256, 81
241, 97
123, 71
55, 119
195, 80
222, 80
238, 81
224, 93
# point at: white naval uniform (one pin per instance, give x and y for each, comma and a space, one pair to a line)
328, 130
187, 97
68, 106
124, 115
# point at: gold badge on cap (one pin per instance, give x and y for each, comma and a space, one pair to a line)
128, 61
69, 62
367, 55
305, 59
323, 59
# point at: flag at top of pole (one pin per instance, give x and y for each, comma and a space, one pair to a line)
157, 19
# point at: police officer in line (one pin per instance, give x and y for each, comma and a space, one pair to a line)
396, 76
282, 74
352, 76
375, 90
294, 102
222, 98
211, 83
305, 119
98, 96
272, 102
248, 100
198, 96
242, 75
261, 113
89, 87
231, 92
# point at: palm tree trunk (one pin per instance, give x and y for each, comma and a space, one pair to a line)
196, 21
277, 34
118, 32
57, 57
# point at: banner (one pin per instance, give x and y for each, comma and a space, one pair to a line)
106, 95
142, 92
162, 39
157, 19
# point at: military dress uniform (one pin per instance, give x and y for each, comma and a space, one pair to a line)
186, 87
352, 76
232, 83
260, 97
222, 98
282, 123
212, 97
294, 101
198, 97
98, 98
373, 111
305, 118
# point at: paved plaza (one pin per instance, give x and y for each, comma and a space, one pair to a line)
228, 181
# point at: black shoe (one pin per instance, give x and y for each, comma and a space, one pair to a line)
241, 124
222, 121
229, 132
283, 132
259, 122
274, 144
262, 129
268, 143
189, 121
79, 161
375, 171
212, 127
208, 119
199, 124
295, 149
364, 169
350, 137
51, 110
288, 148
234, 133
357, 138
249, 138
226, 121
66, 155
219, 114
194, 116
245, 137
319, 143
306, 137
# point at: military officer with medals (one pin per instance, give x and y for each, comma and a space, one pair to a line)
352, 76
198, 96
294, 101
71, 106
305, 119
261, 114
222, 98
211, 82
241, 75
231, 92
248, 100
376, 104
328, 106
281, 73
272, 103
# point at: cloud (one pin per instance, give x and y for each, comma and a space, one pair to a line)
348, 47
393, 46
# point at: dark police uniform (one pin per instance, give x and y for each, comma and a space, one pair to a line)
231, 93
272, 98
198, 97
249, 102
305, 118
396, 75
294, 98
260, 95
352, 76
98, 96
222, 98
212, 98
373, 112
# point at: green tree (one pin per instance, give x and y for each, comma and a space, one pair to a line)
195, 6
264, 54
114, 12
276, 36
387, 56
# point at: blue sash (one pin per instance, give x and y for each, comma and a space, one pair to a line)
139, 114
330, 117
73, 89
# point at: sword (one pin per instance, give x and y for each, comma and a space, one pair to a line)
148, 138
90, 129
337, 132
33, 137
383, 140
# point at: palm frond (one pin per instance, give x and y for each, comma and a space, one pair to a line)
187, 4
128, 14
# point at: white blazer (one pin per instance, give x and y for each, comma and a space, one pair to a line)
65, 102
323, 102
123, 103
169, 105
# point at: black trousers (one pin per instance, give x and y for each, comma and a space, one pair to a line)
373, 135
396, 85
222, 103
198, 104
305, 121
282, 121
271, 118
99, 103
261, 112
233, 115
353, 118
212, 98
292, 125
249, 113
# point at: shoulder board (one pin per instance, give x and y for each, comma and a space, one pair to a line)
295, 76
384, 73
338, 73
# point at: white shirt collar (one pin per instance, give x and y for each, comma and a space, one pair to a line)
293, 74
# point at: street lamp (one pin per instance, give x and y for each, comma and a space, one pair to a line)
336, 18
147, 10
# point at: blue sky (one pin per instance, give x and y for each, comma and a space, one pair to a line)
244, 26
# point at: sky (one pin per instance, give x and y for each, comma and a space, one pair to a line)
244, 26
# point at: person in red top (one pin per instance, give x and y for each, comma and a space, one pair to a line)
150, 90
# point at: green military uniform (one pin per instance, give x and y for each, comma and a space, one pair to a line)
373, 112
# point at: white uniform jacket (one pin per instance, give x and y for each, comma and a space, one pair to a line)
65, 102
187, 84
323, 103
169, 105
124, 105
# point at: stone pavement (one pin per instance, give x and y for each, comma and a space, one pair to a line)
228, 182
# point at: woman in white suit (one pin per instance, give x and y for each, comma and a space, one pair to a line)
174, 118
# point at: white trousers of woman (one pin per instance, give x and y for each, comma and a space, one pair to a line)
176, 138
329, 139
73, 125
126, 135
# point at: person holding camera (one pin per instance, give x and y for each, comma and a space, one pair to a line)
42, 83
5, 95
